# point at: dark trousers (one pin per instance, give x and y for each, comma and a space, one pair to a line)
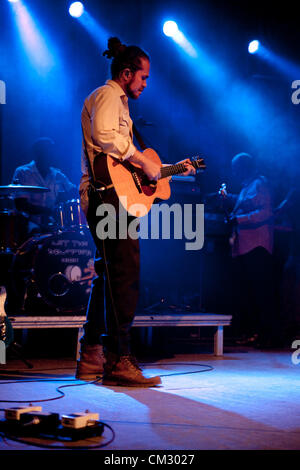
115, 290
257, 309
290, 294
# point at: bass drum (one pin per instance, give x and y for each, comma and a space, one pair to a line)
57, 270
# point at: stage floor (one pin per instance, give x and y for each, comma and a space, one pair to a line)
248, 400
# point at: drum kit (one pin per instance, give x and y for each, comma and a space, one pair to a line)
56, 266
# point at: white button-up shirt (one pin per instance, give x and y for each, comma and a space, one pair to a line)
107, 128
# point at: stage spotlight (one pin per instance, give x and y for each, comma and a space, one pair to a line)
170, 28
253, 46
76, 9
13, 1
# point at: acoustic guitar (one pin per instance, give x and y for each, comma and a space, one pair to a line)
130, 185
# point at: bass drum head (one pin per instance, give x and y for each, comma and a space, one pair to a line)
62, 269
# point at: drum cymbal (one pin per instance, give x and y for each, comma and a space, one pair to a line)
20, 188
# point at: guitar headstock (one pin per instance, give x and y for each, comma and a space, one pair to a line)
223, 190
198, 163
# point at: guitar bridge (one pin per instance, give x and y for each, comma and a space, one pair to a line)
137, 181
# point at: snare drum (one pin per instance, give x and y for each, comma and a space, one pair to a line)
70, 215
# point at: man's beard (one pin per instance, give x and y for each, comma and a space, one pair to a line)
130, 93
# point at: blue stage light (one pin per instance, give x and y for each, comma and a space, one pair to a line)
253, 46
35, 43
170, 28
76, 9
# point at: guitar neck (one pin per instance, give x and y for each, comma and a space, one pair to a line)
176, 169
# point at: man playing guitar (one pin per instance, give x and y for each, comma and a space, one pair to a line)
107, 131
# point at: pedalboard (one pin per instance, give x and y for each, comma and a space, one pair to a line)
32, 421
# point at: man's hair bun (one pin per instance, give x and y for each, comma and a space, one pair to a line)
115, 47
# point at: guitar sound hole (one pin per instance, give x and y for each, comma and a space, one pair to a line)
149, 188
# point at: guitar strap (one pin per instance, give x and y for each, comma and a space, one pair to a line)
91, 176
138, 137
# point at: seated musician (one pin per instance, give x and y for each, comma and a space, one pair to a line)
40, 206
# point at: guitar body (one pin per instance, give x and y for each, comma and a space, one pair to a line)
133, 189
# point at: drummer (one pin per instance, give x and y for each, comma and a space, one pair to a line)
39, 172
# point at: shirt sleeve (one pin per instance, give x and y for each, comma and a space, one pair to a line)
63, 181
105, 118
18, 176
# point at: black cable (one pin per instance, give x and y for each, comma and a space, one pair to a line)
62, 394
208, 368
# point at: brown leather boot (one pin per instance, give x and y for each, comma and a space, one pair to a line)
90, 364
124, 371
